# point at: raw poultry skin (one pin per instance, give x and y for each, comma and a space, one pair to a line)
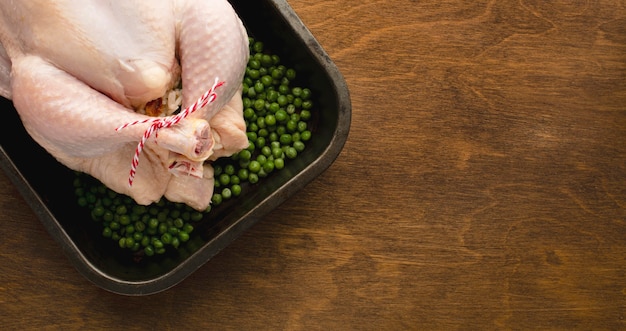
77, 70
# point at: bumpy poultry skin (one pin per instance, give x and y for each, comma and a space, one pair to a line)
76, 70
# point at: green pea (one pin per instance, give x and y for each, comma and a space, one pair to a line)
270, 119
260, 122
162, 216
226, 193
236, 190
279, 163
247, 103
251, 146
107, 232
111, 194
140, 226
166, 238
254, 74
157, 243
148, 250
138, 236
254, 166
186, 216
179, 222
124, 219
106, 202
277, 152
196, 217
285, 139
268, 167
257, 47
254, 64
243, 174
292, 125
145, 241
305, 115
282, 100
247, 80
253, 178
245, 155
305, 135
162, 228
281, 115
244, 164
224, 179
251, 137
266, 60
153, 223
295, 136
183, 236
266, 81
291, 153
273, 136
216, 199
98, 211
188, 228
108, 216
302, 126
275, 59
91, 198
297, 102
139, 209
114, 226
298, 146
272, 96
153, 210
252, 127
266, 150
283, 89
296, 91
229, 169
259, 104
121, 210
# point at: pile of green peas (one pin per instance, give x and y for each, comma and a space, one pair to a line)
277, 115
277, 118
149, 230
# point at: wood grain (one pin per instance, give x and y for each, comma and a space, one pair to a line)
483, 186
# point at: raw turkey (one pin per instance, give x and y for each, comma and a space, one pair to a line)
77, 70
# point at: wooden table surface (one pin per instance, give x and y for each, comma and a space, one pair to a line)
482, 186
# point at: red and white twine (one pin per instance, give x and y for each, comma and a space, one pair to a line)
165, 122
